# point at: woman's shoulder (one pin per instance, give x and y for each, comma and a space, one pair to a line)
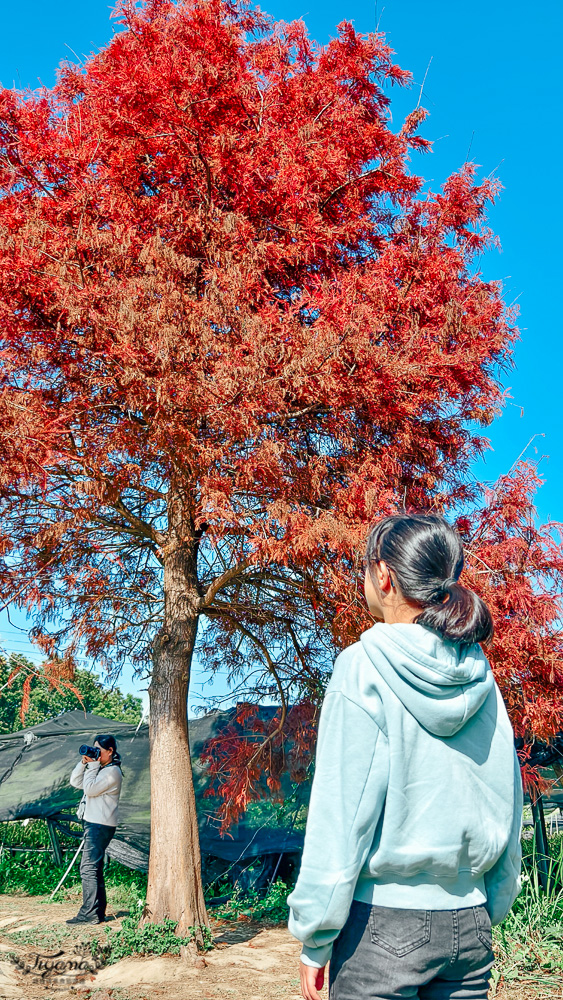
354, 678
116, 774
349, 659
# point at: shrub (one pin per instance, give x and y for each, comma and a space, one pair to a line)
257, 906
147, 939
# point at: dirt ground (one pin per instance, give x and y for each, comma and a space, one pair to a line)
249, 962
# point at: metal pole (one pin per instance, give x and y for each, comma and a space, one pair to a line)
55, 846
543, 854
80, 846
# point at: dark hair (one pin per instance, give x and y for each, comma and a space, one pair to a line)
425, 556
109, 743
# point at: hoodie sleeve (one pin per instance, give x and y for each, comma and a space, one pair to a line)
347, 798
503, 880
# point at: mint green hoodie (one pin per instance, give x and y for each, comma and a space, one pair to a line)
417, 797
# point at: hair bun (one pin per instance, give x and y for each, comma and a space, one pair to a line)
425, 555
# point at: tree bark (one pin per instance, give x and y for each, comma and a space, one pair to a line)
175, 888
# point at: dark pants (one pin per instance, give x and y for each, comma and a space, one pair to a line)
383, 953
96, 839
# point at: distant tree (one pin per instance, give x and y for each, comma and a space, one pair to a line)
235, 329
47, 699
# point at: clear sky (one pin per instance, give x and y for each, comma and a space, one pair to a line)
492, 85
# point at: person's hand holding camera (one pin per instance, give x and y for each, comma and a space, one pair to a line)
91, 755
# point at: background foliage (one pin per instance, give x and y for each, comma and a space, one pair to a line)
47, 700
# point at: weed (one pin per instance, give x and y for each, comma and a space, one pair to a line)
126, 889
529, 943
48, 937
147, 939
257, 906
117, 993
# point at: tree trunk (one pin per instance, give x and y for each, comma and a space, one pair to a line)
175, 888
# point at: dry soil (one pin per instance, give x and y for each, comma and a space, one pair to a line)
249, 962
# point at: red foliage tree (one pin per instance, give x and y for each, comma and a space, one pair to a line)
517, 567
234, 331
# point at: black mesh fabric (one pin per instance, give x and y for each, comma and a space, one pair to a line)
35, 765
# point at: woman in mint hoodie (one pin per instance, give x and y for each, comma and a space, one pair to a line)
412, 849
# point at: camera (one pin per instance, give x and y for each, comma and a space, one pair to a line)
86, 751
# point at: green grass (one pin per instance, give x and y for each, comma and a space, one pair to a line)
529, 943
126, 889
30, 874
54, 936
33, 874
34, 833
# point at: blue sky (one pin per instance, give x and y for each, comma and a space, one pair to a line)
493, 90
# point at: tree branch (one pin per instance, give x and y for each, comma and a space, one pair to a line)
271, 668
221, 581
353, 180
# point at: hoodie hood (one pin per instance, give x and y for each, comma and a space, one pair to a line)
441, 684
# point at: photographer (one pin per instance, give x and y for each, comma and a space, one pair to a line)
100, 778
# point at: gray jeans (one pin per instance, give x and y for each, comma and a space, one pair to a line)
383, 953
96, 838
